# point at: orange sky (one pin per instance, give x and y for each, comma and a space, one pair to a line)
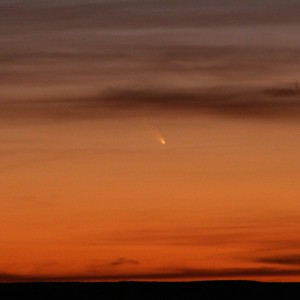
77, 197
89, 192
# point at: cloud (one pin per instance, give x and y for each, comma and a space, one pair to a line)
290, 260
166, 274
143, 14
234, 103
7, 277
123, 261
100, 64
287, 92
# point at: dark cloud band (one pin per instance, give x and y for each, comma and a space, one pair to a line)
238, 103
171, 274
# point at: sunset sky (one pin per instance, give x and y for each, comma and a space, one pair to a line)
149, 140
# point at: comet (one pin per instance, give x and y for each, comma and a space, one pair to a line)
158, 136
162, 141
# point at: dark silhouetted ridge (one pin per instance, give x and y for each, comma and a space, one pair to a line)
153, 290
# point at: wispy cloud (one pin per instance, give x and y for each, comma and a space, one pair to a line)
123, 261
165, 274
290, 260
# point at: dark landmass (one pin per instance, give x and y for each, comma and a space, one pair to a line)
151, 290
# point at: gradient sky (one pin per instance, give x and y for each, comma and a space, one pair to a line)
88, 92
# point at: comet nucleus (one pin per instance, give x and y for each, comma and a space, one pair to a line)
162, 141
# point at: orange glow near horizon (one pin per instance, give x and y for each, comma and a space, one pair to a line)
95, 204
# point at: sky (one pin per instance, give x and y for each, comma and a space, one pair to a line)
149, 140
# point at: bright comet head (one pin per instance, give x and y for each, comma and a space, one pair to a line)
158, 136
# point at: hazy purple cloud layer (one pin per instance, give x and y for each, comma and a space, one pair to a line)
151, 56
36, 16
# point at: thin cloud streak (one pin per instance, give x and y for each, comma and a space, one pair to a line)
123, 261
166, 274
289, 260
